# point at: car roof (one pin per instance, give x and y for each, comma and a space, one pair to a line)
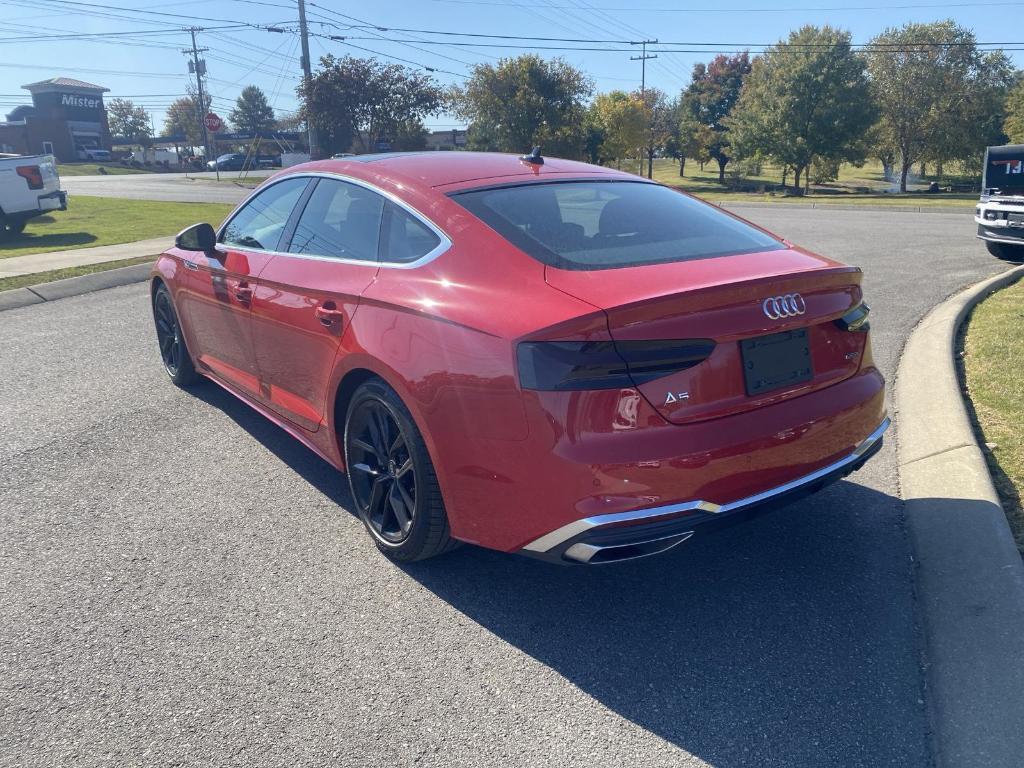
443, 169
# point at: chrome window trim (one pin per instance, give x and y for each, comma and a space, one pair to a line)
550, 540
440, 248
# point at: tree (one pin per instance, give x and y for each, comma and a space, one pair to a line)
525, 101
622, 119
926, 78
127, 120
710, 97
661, 121
184, 116
252, 112
805, 99
980, 121
1013, 123
292, 123
354, 103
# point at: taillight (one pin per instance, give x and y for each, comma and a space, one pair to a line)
32, 175
856, 319
577, 365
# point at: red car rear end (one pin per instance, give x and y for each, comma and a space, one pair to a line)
593, 367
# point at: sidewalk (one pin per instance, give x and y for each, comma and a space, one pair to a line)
15, 266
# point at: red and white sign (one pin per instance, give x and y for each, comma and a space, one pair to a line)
213, 123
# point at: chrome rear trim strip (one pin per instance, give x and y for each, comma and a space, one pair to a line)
551, 540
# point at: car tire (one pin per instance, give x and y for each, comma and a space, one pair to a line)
16, 227
1005, 251
391, 477
171, 340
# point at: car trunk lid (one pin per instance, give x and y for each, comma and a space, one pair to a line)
756, 359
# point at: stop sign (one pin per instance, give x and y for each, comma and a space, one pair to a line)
213, 123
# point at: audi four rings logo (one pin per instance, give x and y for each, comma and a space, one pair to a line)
778, 307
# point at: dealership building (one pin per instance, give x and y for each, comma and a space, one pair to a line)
66, 117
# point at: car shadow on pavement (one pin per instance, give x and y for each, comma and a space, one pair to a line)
314, 470
787, 641
778, 642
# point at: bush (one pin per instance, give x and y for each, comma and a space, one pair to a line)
823, 171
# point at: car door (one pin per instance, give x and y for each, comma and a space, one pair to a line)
219, 286
305, 299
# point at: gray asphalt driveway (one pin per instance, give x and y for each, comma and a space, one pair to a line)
183, 586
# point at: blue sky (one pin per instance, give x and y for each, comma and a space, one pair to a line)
143, 60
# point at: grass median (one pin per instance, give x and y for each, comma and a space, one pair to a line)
863, 186
993, 365
98, 169
90, 222
20, 281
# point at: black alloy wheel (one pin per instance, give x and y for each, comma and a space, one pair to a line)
391, 476
173, 352
384, 474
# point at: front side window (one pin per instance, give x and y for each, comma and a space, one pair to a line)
261, 222
588, 225
406, 238
341, 220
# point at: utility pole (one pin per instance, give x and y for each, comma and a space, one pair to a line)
199, 66
307, 77
642, 58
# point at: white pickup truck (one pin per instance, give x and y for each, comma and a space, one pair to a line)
29, 186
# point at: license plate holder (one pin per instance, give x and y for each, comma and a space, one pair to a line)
1015, 219
776, 361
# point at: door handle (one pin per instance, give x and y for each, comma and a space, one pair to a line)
328, 314
190, 265
243, 293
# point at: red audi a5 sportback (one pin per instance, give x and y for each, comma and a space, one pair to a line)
533, 355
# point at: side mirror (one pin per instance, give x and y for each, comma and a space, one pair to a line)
198, 237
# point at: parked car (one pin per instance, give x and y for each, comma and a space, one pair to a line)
533, 355
999, 215
93, 154
29, 186
233, 161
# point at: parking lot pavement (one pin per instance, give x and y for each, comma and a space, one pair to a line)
182, 584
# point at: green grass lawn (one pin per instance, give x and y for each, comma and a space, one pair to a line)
96, 221
855, 186
93, 169
8, 283
994, 368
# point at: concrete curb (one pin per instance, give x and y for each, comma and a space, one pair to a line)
969, 575
74, 286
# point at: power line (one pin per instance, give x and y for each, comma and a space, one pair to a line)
342, 41
636, 9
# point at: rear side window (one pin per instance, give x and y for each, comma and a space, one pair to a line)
261, 222
587, 225
341, 220
406, 238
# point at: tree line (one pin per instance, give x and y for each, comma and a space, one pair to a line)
921, 93
916, 94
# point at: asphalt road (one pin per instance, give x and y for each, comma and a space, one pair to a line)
183, 586
194, 188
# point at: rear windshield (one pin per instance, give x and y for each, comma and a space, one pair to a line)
586, 225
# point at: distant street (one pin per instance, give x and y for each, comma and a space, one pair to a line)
183, 583
193, 188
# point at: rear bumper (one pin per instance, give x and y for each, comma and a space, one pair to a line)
53, 201
642, 532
